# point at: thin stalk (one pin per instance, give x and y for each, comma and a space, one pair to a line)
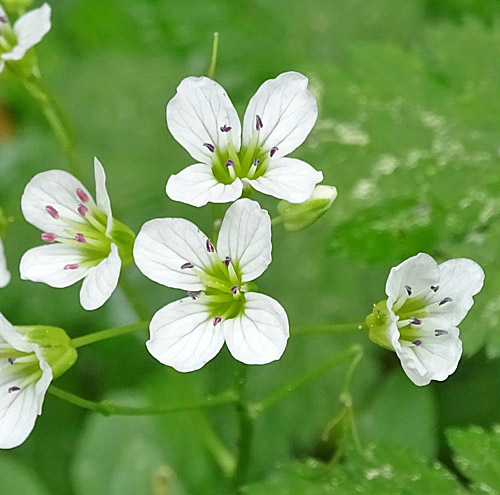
55, 117
327, 329
213, 62
110, 333
298, 383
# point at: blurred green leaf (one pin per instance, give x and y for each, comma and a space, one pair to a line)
16, 478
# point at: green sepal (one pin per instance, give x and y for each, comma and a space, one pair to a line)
60, 359
378, 323
124, 238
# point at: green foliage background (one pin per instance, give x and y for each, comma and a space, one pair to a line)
409, 97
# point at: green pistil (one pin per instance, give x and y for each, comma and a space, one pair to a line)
412, 307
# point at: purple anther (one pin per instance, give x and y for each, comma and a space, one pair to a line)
225, 128
258, 123
217, 320
415, 321
417, 342
227, 261
71, 266
210, 247
80, 238
408, 289
235, 289
210, 147
434, 288
229, 163
194, 294
11, 360
82, 209
255, 161
187, 265
52, 211
13, 389
49, 237
445, 300
4, 19
274, 149
82, 195
438, 333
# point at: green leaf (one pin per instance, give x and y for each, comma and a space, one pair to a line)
476, 452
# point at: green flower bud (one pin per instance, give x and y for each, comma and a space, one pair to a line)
378, 323
300, 216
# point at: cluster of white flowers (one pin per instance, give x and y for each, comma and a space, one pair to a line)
426, 301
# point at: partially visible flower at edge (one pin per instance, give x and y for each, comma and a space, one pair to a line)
202, 118
85, 242
222, 305
426, 302
27, 31
4, 272
30, 358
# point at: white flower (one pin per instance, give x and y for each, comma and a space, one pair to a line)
278, 119
25, 377
85, 242
27, 31
4, 272
426, 302
220, 306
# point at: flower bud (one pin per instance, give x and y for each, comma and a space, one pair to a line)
55, 346
300, 216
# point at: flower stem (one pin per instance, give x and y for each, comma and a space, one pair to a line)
327, 329
282, 393
246, 427
135, 301
56, 119
110, 333
213, 62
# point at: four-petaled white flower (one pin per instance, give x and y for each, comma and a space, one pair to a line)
426, 302
27, 31
4, 272
278, 119
25, 377
220, 305
85, 241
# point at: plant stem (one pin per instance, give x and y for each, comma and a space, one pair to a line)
108, 408
246, 427
327, 329
323, 367
110, 333
135, 301
56, 119
213, 62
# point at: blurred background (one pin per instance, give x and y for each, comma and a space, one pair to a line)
408, 131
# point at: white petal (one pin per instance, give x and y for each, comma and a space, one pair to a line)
288, 111
289, 179
183, 335
9, 335
19, 410
30, 28
196, 186
4, 272
54, 188
101, 281
260, 334
460, 279
245, 236
196, 114
416, 274
435, 359
46, 264
101, 193
164, 245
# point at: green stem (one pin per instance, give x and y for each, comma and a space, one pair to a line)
320, 369
213, 62
56, 119
327, 329
135, 301
110, 333
108, 408
246, 427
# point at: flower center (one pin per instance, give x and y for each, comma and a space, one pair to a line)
250, 162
